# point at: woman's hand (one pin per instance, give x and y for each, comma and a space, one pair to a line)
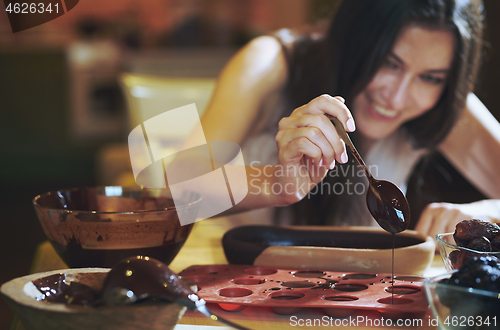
309, 145
438, 218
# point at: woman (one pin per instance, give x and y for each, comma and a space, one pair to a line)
403, 72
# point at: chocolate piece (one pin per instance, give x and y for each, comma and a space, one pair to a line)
78, 294
56, 289
459, 258
51, 286
495, 244
480, 244
480, 273
467, 230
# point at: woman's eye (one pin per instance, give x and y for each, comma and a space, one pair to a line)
432, 79
390, 64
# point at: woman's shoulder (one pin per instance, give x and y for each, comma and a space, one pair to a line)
263, 50
260, 64
270, 57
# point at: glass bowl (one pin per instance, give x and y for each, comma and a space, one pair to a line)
455, 256
99, 226
457, 307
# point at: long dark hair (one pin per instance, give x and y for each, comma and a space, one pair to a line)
348, 56
361, 36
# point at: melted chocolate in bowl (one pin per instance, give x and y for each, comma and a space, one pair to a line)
97, 227
75, 256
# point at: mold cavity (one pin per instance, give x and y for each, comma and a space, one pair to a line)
298, 284
399, 289
359, 276
248, 281
213, 269
260, 271
309, 273
287, 295
285, 310
234, 292
395, 301
274, 289
340, 298
232, 307
409, 278
350, 287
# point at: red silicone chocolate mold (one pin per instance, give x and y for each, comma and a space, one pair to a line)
286, 291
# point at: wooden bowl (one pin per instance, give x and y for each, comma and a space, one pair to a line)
41, 315
346, 249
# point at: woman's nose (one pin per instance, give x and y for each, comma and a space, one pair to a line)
399, 93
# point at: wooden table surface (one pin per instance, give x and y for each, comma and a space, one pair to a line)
203, 247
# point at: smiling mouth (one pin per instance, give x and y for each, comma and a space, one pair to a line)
384, 112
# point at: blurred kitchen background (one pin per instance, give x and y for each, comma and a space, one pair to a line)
66, 111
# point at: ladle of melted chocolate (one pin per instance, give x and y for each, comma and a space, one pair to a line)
140, 278
386, 202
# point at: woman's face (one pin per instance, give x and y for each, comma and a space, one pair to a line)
408, 84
